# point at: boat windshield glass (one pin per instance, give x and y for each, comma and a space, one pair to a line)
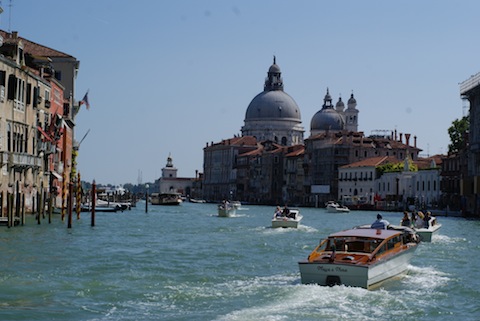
352, 244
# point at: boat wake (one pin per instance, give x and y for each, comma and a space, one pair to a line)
444, 239
424, 279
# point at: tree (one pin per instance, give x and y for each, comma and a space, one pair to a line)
458, 134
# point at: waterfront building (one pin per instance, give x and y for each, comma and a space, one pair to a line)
169, 182
470, 184
36, 125
455, 184
220, 167
357, 181
363, 185
327, 152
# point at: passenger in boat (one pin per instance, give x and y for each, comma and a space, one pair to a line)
380, 223
406, 220
278, 212
419, 223
286, 211
426, 219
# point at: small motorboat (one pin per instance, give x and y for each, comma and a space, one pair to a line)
360, 257
426, 232
226, 210
101, 206
334, 207
292, 219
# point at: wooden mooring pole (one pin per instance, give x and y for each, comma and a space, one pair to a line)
70, 201
94, 194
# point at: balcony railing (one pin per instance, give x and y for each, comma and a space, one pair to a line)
21, 160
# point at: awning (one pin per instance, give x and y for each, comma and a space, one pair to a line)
58, 176
40, 129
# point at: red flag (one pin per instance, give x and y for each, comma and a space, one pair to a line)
85, 100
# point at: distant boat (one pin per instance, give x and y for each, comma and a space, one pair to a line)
226, 210
194, 200
101, 206
334, 207
291, 220
165, 199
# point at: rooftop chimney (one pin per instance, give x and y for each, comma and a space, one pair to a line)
407, 139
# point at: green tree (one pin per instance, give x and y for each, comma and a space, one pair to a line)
458, 134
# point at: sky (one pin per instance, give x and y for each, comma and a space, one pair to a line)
168, 77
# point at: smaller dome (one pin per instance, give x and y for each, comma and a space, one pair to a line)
352, 100
274, 68
327, 119
340, 103
327, 96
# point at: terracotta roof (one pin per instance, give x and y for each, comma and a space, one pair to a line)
373, 162
296, 150
33, 47
426, 163
241, 140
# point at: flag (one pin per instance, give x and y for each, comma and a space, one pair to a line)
85, 100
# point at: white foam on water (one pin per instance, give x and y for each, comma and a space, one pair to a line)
424, 279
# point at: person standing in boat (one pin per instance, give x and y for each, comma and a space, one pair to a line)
278, 212
406, 220
380, 223
426, 219
286, 210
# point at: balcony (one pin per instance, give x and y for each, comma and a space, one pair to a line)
20, 160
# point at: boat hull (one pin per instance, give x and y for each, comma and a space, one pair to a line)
426, 234
286, 222
361, 275
226, 212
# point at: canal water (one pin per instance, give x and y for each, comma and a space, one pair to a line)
186, 263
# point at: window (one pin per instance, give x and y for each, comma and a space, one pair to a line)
18, 93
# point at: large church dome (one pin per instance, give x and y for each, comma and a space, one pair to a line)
273, 114
272, 104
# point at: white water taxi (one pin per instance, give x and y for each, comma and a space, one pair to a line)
361, 257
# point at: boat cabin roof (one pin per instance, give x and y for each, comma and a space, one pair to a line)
365, 233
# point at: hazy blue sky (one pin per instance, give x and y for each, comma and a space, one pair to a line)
166, 77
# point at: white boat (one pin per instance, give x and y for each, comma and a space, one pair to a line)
292, 220
334, 207
426, 233
360, 257
226, 210
165, 199
101, 206
236, 204
194, 200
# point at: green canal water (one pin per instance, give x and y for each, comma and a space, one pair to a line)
186, 263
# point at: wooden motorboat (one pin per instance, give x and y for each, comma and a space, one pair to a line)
360, 257
165, 199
